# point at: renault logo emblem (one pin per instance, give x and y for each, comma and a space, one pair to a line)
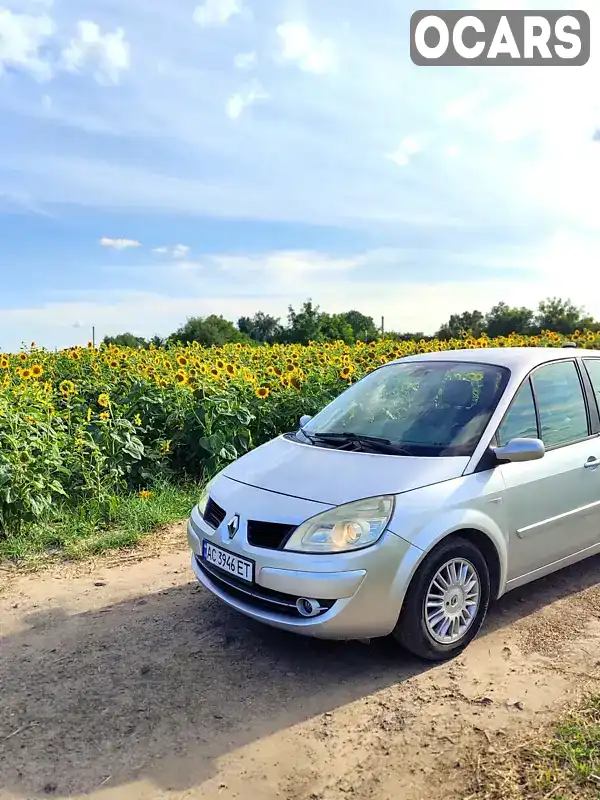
233, 525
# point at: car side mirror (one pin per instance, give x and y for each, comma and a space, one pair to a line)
520, 450
304, 420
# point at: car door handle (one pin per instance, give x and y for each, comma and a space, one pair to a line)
592, 462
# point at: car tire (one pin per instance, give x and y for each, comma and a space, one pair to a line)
412, 630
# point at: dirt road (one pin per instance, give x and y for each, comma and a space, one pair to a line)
128, 682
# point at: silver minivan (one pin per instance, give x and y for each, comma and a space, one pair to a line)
429, 488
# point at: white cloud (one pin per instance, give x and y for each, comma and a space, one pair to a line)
408, 148
463, 106
119, 244
107, 55
282, 266
217, 12
452, 150
406, 305
22, 38
239, 102
245, 61
180, 250
175, 251
309, 53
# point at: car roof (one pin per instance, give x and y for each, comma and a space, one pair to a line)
514, 358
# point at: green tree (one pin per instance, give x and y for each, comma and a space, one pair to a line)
471, 322
561, 316
304, 325
335, 327
126, 340
261, 327
208, 331
502, 320
363, 327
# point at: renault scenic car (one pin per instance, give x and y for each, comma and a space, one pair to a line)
429, 488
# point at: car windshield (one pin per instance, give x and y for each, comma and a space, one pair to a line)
426, 408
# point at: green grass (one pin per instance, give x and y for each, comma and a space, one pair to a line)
563, 764
92, 528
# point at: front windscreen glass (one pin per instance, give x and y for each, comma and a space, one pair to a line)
421, 408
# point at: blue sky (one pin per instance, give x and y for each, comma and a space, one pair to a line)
162, 160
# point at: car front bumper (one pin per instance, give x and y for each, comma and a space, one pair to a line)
360, 592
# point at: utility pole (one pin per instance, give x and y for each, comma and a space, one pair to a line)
382, 326
94, 337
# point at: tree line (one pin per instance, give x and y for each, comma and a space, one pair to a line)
309, 323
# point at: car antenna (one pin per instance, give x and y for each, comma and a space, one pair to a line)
570, 344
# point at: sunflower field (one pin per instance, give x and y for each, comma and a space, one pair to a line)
91, 424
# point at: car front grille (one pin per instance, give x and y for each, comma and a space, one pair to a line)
270, 535
213, 514
257, 596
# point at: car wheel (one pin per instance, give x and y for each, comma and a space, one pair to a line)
446, 602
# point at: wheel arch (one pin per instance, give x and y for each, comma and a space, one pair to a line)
487, 538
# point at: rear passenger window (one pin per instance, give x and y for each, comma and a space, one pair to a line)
593, 368
561, 404
520, 421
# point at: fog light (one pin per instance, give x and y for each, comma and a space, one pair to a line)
307, 607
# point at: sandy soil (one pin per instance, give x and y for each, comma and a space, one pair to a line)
125, 680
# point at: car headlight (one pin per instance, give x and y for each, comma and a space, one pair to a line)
348, 527
203, 502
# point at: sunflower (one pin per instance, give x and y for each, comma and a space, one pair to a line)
26, 374
215, 372
181, 377
296, 382
37, 371
345, 373
182, 361
113, 363
166, 447
4, 362
230, 369
22, 357
220, 364
137, 419
67, 388
104, 400
262, 392
145, 494
105, 415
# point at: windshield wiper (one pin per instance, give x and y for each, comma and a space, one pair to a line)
374, 442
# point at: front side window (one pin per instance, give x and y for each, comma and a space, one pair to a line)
520, 420
428, 408
561, 404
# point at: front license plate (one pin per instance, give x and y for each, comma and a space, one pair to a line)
240, 568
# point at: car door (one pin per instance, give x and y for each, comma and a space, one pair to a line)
552, 506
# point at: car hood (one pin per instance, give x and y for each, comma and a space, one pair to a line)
334, 477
